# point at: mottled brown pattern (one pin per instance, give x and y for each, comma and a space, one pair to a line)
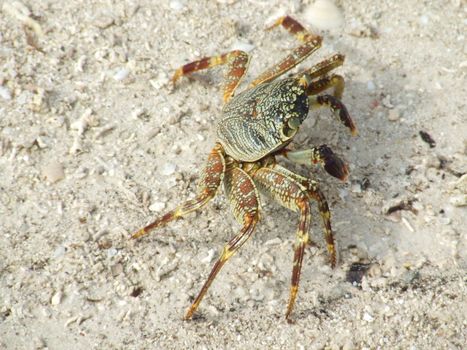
255, 127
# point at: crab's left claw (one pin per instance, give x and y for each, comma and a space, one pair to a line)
333, 164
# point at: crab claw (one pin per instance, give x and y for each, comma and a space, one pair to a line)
333, 164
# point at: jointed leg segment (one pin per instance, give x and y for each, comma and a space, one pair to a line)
210, 181
237, 62
322, 155
229, 250
313, 192
334, 81
311, 43
337, 107
325, 66
291, 194
244, 201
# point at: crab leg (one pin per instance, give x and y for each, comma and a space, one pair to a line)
210, 181
291, 194
237, 62
319, 155
325, 66
311, 43
314, 193
334, 81
337, 107
244, 201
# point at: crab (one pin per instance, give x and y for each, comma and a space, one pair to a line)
256, 126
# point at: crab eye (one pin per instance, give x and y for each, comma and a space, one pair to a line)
294, 123
288, 132
291, 127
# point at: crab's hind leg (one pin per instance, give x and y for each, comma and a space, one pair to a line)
291, 194
244, 200
237, 62
311, 43
210, 181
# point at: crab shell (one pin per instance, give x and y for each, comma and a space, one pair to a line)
263, 119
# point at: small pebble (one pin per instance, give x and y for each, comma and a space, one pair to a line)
157, 206
165, 268
42, 141
407, 224
56, 298
79, 66
116, 269
210, 257
386, 102
367, 317
459, 200
59, 252
461, 183
5, 93
273, 241
424, 19
111, 252
168, 169
243, 46
139, 113
393, 115
370, 85
161, 80
176, 5
121, 74
53, 171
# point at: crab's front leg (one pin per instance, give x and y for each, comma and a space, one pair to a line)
244, 201
322, 155
210, 181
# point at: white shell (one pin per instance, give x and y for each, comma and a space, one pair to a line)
324, 15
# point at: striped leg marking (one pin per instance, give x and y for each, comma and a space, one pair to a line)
311, 43
337, 107
314, 193
244, 201
334, 81
290, 194
237, 63
210, 181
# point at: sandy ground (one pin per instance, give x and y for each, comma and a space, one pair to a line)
94, 144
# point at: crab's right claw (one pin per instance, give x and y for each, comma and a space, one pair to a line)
333, 164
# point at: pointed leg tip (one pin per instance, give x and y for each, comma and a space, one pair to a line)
345, 173
138, 234
189, 315
276, 23
333, 262
335, 166
354, 131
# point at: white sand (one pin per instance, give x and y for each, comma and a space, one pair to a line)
92, 139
